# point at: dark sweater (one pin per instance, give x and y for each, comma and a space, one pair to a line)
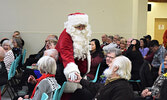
115, 90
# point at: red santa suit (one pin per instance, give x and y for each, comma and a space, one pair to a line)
73, 46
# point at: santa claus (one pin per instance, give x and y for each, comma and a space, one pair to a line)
73, 46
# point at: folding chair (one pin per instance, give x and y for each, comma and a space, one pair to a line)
44, 96
56, 93
96, 76
23, 56
61, 90
138, 83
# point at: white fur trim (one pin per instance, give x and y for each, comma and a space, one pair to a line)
78, 19
71, 67
89, 61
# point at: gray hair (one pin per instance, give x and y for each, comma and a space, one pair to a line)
47, 65
51, 52
18, 41
8, 42
117, 52
124, 67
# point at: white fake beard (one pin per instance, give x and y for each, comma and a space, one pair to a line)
80, 43
108, 73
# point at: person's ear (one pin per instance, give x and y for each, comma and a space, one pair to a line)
115, 69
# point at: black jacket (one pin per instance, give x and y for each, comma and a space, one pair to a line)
115, 90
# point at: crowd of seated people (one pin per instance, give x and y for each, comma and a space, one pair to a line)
137, 51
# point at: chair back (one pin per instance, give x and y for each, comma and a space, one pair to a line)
61, 90
23, 56
44, 96
96, 76
11, 70
56, 93
17, 60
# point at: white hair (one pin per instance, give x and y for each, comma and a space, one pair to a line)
124, 67
8, 42
52, 52
47, 65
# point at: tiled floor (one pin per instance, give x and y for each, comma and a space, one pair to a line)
7, 97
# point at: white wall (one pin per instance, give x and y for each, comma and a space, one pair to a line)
35, 19
158, 10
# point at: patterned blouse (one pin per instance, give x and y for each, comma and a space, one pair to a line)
9, 58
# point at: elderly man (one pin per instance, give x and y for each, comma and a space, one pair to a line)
104, 40
110, 45
3, 71
111, 54
116, 87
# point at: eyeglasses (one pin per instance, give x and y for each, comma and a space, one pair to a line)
110, 57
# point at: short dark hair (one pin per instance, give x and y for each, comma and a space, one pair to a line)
154, 43
147, 37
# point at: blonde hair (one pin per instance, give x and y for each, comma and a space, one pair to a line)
123, 41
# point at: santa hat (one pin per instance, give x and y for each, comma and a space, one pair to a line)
77, 18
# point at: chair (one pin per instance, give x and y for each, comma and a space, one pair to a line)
96, 76
23, 57
17, 60
138, 83
11, 70
44, 96
56, 93
61, 90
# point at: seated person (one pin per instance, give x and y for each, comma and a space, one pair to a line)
3, 71
17, 49
9, 56
17, 34
116, 87
96, 58
111, 54
35, 57
46, 83
59, 72
163, 66
135, 57
155, 90
3, 39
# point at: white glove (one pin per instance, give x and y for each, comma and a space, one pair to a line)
72, 76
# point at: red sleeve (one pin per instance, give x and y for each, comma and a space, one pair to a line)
65, 48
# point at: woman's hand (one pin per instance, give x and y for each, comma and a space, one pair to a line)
78, 78
31, 79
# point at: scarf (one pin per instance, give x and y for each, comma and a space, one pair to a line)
38, 81
108, 80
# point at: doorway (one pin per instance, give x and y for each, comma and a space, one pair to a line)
160, 27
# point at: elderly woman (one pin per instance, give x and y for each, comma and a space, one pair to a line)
9, 57
116, 87
46, 83
123, 44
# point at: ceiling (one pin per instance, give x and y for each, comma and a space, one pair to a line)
157, 0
